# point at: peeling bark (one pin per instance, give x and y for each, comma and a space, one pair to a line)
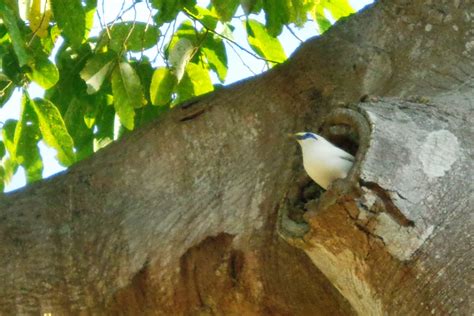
208, 210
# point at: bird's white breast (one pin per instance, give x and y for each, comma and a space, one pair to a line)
324, 164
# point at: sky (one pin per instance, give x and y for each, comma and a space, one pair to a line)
237, 71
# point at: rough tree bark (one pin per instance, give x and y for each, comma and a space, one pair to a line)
208, 210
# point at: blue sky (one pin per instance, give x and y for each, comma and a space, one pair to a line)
237, 71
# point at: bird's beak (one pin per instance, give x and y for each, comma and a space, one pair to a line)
291, 136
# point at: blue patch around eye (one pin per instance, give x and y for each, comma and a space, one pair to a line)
306, 136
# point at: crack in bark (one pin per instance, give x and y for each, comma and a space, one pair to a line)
349, 213
366, 231
192, 115
390, 207
402, 197
368, 234
190, 103
197, 288
236, 262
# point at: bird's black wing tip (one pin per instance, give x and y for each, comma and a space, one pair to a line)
351, 159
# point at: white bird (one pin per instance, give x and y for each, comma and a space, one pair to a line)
323, 161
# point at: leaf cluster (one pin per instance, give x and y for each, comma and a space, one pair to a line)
100, 86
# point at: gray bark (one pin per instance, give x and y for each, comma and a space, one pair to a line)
208, 210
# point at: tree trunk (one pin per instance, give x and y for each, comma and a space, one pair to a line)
208, 210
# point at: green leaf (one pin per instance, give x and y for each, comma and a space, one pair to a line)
75, 122
91, 108
54, 131
145, 71
48, 42
26, 138
196, 81
180, 54
338, 8
96, 70
263, 44
8, 136
6, 90
70, 62
3, 32
132, 87
2, 178
185, 30
225, 8
162, 85
10, 20
28, 155
300, 10
38, 14
133, 36
277, 14
10, 167
105, 127
128, 93
228, 31
214, 50
2, 150
71, 19
10, 66
90, 10
207, 17
323, 23
167, 10
20, 139
44, 72
248, 6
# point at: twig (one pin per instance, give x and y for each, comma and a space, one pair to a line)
123, 11
169, 43
160, 47
191, 16
120, 12
101, 22
243, 62
146, 29
2, 92
39, 26
124, 46
293, 33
